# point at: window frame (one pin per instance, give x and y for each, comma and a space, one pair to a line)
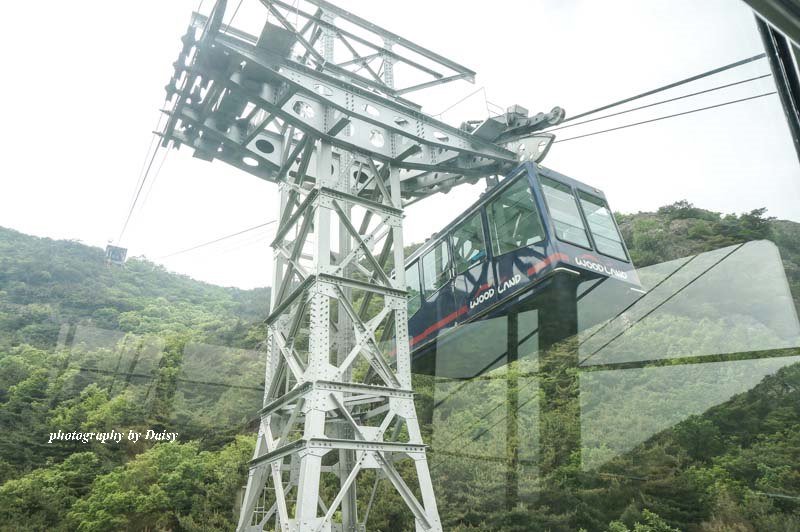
502, 189
579, 210
627, 257
486, 241
416, 264
422, 276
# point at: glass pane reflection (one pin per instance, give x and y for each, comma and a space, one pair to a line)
663, 398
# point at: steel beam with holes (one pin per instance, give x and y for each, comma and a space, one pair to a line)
330, 386
440, 142
329, 444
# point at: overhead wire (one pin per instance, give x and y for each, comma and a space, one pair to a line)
143, 177
140, 186
666, 117
153, 140
235, 12
155, 178
661, 102
504, 354
216, 240
669, 86
236, 245
465, 98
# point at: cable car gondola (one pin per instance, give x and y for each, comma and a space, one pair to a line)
116, 255
534, 229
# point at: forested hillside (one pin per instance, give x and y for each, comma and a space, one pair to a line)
89, 347
71, 327
45, 283
681, 229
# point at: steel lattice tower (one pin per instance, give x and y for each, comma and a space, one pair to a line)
316, 106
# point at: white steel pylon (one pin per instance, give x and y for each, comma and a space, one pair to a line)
315, 106
313, 399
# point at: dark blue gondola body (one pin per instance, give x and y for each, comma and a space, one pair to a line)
497, 283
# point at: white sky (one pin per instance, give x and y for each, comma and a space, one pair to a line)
84, 81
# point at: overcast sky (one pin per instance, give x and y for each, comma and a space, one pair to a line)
84, 81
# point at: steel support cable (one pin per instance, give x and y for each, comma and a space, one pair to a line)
487, 429
155, 177
661, 102
144, 177
143, 171
465, 98
670, 86
220, 239
461, 386
474, 438
153, 141
235, 11
667, 116
253, 240
227, 247
142, 181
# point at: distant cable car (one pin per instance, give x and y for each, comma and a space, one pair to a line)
116, 254
533, 227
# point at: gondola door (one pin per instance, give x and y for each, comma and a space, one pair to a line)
437, 312
474, 286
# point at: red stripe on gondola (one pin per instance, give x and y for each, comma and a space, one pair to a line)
439, 324
536, 268
482, 289
547, 261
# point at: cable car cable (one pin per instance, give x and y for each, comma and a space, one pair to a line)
143, 172
155, 177
667, 116
153, 141
220, 239
235, 11
138, 193
660, 102
670, 86
245, 243
465, 98
216, 241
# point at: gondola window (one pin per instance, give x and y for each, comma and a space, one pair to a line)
513, 219
601, 224
435, 268
469, 246
564, 211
